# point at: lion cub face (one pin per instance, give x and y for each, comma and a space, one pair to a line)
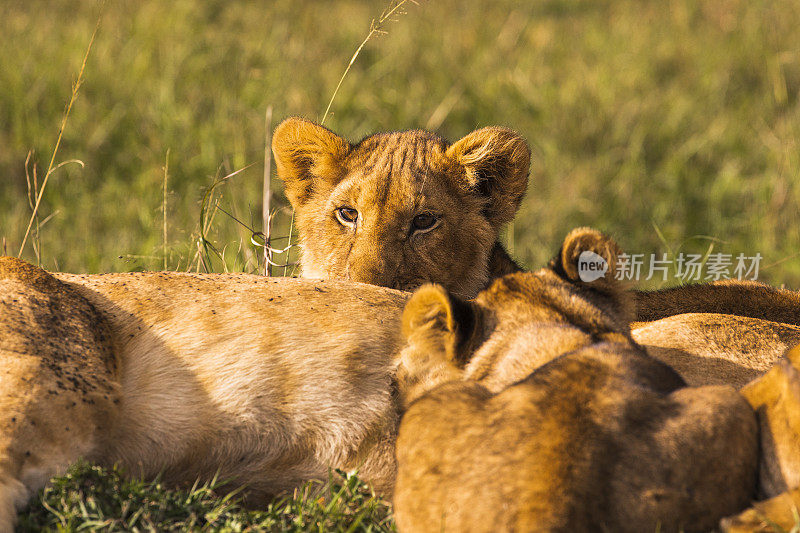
401, 209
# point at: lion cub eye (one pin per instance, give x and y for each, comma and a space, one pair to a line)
424, 222
347, 215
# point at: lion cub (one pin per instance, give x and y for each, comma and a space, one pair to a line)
403, 208
400, 209
533, 409
267, 382
271, 381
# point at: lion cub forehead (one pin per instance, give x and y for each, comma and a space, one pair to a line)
408, 152
395, 172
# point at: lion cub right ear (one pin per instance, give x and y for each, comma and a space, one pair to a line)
306, 152
495, 162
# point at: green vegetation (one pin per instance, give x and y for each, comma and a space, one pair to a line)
91, 498
657, 121
674, 125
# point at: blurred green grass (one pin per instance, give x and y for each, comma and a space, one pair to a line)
647, 118
90, 498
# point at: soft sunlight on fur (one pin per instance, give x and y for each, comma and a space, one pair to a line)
465, 192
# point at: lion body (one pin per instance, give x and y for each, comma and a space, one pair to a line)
714, 348
579, 445
192, 376
558, 421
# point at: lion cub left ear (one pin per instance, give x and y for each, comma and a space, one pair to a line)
449, 324
590, 258
495, 162
307, 155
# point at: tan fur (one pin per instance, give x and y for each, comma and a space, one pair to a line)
775, 515
58, 381
730, 331
733, 297
776, 399
532, 409
194, 375
711, 348
473, 186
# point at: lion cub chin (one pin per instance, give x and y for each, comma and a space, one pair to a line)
533, 409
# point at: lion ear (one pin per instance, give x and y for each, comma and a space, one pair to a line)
451, 324
494, 161
307, 155
589, 257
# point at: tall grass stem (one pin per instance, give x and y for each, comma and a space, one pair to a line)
374, 28
267, 192
50, 168
164, 207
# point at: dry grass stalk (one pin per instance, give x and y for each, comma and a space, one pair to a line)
51, 168
267, 192
375, 27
